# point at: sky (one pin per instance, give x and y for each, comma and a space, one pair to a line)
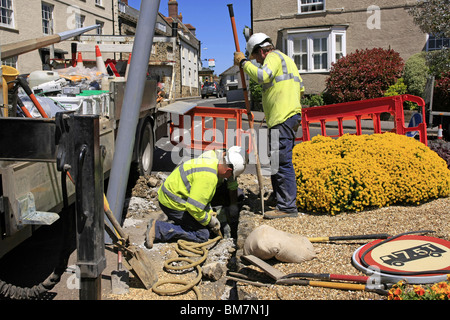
211, 19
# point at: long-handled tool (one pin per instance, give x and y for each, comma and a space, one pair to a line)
328, 277
334, 285
283, 279
135, 260
352, 237
249, 112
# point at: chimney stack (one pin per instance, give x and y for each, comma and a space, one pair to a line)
173, 9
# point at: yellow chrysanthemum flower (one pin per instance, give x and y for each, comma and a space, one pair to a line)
353, 172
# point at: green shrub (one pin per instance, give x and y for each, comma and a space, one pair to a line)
400, 88
396, 89
415, 74
313, 101
256, 95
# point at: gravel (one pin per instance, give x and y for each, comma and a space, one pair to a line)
332, 257
335, 257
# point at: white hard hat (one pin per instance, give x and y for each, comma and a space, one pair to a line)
258, 39
235, 158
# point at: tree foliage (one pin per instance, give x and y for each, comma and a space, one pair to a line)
433, 16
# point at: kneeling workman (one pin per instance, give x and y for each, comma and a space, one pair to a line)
186, 195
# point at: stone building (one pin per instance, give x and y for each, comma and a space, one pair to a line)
317, 33
174, 60
24, 20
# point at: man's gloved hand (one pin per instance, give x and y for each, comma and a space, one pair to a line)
239, 58
214, 224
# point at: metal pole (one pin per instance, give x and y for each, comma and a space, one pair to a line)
87, 167
131, 104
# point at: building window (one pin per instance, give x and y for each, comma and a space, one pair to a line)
339, 39
47, 18
99, 30
437, 43
161, 27
98, 2
12, 62
300, 53
315, 51
6, 15
320, 53
79, 20
308, 6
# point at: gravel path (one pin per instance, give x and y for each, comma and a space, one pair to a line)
332, 257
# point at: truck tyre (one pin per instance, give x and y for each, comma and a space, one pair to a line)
145, 151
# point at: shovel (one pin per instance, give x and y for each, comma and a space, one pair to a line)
135, 259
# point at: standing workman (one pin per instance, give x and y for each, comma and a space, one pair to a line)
186, 195
282, 89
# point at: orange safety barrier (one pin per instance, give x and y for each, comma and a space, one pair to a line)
361, 110
198, 133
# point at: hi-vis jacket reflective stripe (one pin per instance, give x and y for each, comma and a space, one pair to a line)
282, 86
191, 187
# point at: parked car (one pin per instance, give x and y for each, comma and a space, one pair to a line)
212, 89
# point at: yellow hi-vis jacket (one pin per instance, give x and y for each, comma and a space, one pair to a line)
191, 187
282, 86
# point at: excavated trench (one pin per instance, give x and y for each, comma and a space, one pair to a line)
222, 257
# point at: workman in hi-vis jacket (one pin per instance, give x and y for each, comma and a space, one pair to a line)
282, 89
186, 195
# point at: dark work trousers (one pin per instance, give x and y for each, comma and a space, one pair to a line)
283, 175
184, 227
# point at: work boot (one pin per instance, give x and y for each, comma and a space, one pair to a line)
150, 234
275, 214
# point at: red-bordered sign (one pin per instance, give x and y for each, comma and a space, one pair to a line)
414, 258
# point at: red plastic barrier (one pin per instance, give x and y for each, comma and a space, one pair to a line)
232, 123
360, 110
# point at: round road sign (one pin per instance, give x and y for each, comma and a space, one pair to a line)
414, 258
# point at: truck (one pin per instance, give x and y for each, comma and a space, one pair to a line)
31, 193
438, 116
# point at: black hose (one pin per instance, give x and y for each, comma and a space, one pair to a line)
10, 291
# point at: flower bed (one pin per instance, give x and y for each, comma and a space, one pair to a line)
437, 291
353, 173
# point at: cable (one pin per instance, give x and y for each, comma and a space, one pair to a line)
10, 291
187, 249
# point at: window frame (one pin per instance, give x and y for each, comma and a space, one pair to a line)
10, 9
318, 2
309, 35
50, 20
436, 38
79, 20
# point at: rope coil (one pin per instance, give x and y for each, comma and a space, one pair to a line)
190, 250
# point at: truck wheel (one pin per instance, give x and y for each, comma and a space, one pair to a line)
145, 151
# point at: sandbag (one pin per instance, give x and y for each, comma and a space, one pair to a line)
266, 242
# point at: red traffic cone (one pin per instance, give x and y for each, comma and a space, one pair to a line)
100, 63
440, 135
79, 60
128, 66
